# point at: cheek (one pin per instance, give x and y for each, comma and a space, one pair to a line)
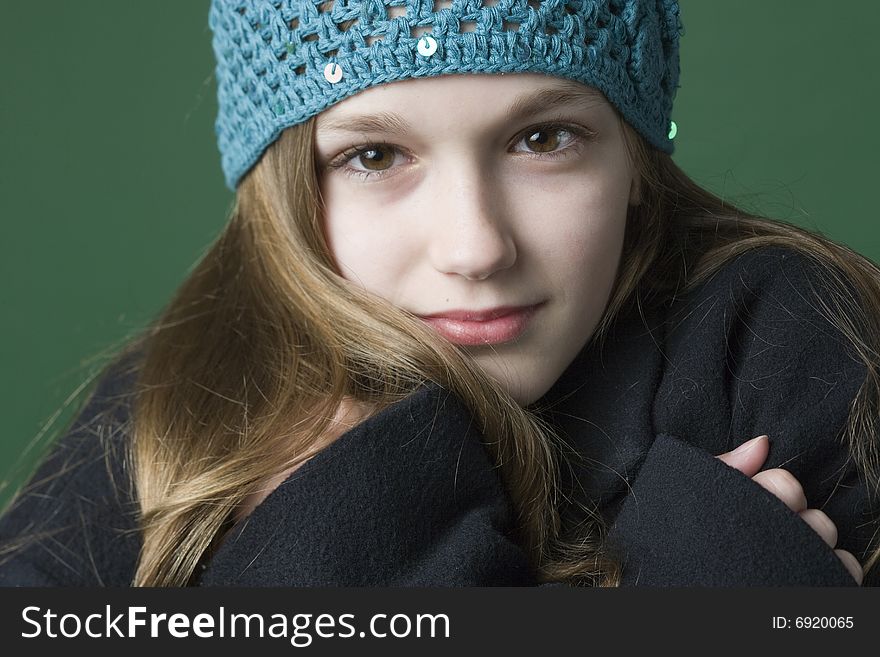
363, 245
343, 232
352, 248
586, 267
589, 225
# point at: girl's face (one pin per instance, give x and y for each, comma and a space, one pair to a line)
474, 192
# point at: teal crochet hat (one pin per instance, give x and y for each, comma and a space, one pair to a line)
281, 62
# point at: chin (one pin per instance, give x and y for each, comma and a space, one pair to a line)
525, 382
528, 393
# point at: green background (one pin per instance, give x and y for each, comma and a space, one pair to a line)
111, 189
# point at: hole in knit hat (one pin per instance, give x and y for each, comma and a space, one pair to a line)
395, 11
344, 25
419, 30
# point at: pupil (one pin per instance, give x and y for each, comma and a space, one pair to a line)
374, 155
535, 138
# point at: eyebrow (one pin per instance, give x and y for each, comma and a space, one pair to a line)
569, 93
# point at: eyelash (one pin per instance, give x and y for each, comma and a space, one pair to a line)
580, 135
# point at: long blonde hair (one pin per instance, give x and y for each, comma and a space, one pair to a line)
242, 371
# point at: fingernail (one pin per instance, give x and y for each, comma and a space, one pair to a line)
745, 447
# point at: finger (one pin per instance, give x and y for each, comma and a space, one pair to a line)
821, 524
852, 565
748, 457
785, 486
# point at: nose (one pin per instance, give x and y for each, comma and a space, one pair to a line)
471, 237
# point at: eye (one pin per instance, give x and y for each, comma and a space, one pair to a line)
545, 139
375, 158
543, 142
540, 138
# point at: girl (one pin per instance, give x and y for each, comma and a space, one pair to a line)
468, 324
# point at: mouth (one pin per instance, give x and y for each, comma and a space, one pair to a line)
479, 327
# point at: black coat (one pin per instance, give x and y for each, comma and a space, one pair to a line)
409, 497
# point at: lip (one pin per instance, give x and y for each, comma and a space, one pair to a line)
476, 327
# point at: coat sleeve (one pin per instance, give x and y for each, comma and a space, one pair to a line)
74, 522
407, 498
750, 353
692, 520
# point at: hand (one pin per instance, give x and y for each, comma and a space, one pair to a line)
748, 459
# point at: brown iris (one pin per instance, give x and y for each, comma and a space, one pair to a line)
377, 156
535, 139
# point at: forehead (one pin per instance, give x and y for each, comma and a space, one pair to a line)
384, 107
